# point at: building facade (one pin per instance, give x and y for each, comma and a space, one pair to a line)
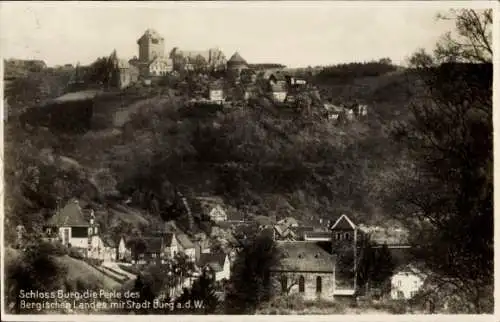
68, 225
306, 269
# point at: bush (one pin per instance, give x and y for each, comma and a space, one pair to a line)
75, 253
56, 249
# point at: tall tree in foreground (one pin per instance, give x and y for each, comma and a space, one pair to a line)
251, 283
448, 189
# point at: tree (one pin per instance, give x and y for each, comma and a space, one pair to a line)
448, 189
251, 282
34, 270
102, 71
203, 290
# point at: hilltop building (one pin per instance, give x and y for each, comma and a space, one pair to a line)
212, 59
152, 60
125, 73
235, 65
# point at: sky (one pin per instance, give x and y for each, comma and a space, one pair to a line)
296, 34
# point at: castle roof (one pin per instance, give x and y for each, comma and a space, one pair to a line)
237, 59
150, 34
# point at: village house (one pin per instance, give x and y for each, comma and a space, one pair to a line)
186, 246
278, 92
216, 264
300, 231
406, 282
216, 92
305, 268
284, 232
202, 246
149, 251
68, 225
124, 252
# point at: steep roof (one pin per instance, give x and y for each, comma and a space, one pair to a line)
184, 241
108, 242
303, 256
153, 244
237, 59
343, 223
70, 215
214, 260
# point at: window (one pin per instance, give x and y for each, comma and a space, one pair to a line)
412, 293
347, 236
284, 283
302, 283
319, 286
399, 283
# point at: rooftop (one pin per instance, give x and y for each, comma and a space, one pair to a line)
77, 96
184, 240
237, 59
304, 256
70, 215
343, 223
213, 260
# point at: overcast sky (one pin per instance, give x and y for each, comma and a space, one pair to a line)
291, 33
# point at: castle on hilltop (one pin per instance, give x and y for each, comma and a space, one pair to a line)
153, 61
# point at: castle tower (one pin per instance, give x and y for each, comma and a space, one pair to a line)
151, 45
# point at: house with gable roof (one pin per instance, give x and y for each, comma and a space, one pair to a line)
217, 264
185, 245
69, 226
124, 251
305, 268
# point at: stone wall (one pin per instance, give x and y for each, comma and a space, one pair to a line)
310, 291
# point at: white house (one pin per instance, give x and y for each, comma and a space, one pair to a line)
217, 264
171, 245
123, 251
186, 245
406, 282
279, 92
216, 93
160, 66
217, 213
